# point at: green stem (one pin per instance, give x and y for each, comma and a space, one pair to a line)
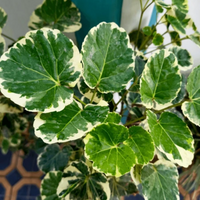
135, 120
95, 90
8, 37
140, 21
125, 93
75, 97
167, 45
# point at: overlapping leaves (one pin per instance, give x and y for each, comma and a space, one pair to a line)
45, 63
57, 14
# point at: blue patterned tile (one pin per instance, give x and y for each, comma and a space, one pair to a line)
198, 198
30, 162
5, 160
181, 197
24, 190
1, 197
22, 198
34, 191
2, 190
13, 177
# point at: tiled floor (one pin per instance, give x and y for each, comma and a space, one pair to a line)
19, 176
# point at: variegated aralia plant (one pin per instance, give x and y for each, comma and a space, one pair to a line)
84, 148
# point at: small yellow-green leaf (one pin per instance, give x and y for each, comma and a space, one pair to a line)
158, 39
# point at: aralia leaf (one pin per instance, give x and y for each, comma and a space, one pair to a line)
3, 17
79, 182
105, 146
113, 117
158, 39
182, 5
185, 61
108, 58
147, 30
57, 14
191, 108
2, 44
195, 37
172, 137
45, 64
71, 123
160, 81
141, 143
53, 158
160, 181
175, 38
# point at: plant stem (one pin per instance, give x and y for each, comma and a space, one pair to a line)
95, 90
125, 93
75, 97
8, 37
140, 22
167, 45
135, 120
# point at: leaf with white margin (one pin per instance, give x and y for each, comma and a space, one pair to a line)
191, 108
160, 5
113, 117
172, 137
79, 182
50, 184
179, 20
53, 158
8, 106
104, 145
182, 5
56, 14
182, 92
108, 58
195, 37
72, 123
3, 17
160, 81
37, 71
160, 181
141, 143
185, 61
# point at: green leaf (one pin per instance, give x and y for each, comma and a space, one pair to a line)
2, 44
69, 124
46, 63
104, 145
175, 38
191, 108
113, 117
50, 184
141, 143
182, 5
53, 158
158, 39
80, 183
160, 181
8, 106
182, 92
172, 137
108, 58
162, 4
122, 186
179, 20
147, 30
160, 81
195, 37
56, 14
185, 61
3, 17
5, 146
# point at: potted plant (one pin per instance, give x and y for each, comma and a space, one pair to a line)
87, 152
